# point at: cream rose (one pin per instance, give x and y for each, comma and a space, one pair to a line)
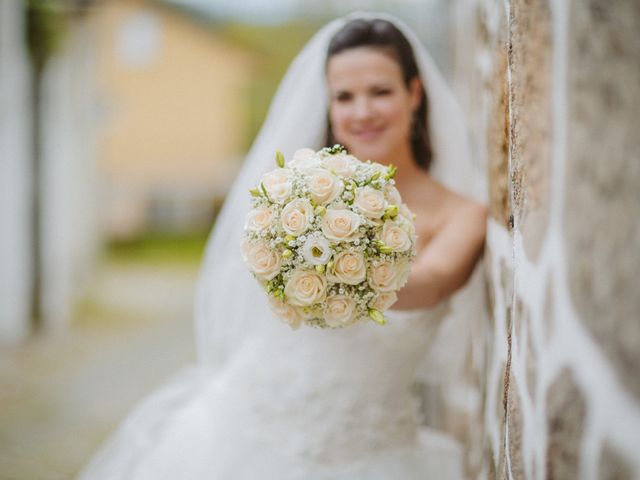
348, 267
259, 219
340, 224
288, 314
296, 216
405, 213
316, 250
340, 310
389, 276
370, 202
393, 195
304, 158
395, 237
263, 261
278, 184
385, 300
324, 187
305, 287
342, 164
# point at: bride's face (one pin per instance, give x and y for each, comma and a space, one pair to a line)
371, 106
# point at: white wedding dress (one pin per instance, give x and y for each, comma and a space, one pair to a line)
308, 404
270, 403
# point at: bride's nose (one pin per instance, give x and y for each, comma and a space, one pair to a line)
362, 108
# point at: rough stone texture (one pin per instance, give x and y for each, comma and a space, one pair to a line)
530, 96
565, 412
514, 424
612, 467
498, 130
499, 461
601, 218
572, 185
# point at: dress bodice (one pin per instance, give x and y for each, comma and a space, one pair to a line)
326, 395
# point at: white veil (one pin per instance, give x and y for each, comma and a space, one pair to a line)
229, 304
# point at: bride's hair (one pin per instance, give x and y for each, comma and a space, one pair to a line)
381, 34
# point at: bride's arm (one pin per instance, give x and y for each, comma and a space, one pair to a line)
447, 261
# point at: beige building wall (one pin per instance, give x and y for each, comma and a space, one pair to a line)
174, 110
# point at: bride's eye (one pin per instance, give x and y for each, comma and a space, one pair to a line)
381, 92
342, 96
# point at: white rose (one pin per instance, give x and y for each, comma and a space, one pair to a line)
389, 276
259, 219
304, 158
370, 202
263, 261
305, 287
342, 164
323, 185
278, 184
285, 312
339, 311
296, 216
340, 224
375, 167
316, 250
404, 212
385, 300
348, 267
393, 195
395, 237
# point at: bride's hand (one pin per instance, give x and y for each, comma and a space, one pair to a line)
447, 261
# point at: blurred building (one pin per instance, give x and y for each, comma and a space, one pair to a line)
14, 175
173, 115
133, 118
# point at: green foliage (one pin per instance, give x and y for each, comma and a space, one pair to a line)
45, 27
158, 248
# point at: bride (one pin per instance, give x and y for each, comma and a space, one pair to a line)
267, 402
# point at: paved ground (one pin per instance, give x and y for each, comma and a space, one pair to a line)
61, 396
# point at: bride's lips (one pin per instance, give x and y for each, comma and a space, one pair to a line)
369, 133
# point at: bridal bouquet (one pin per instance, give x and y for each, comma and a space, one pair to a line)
329, 238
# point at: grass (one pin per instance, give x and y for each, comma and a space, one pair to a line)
154, 248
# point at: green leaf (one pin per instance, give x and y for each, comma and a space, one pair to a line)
264, 191
377, 316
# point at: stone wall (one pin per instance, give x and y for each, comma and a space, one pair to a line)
552, 93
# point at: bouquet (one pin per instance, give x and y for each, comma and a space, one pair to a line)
329, 238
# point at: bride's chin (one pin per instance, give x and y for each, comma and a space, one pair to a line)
371, 153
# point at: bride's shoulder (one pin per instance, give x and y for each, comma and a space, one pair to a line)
450, 202
459, 211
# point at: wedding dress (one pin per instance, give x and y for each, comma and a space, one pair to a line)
268, 402
306, 404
